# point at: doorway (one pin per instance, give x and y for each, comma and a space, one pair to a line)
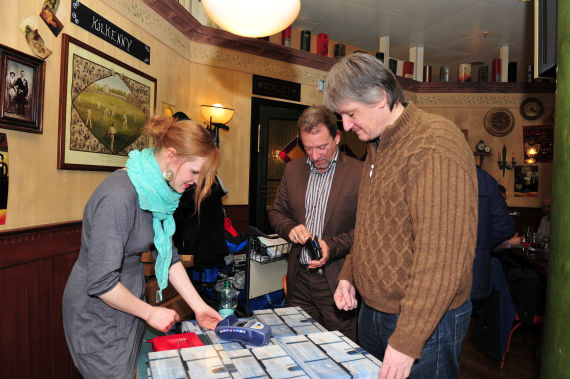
273, 127
273, 131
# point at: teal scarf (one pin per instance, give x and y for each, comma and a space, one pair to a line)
157, 196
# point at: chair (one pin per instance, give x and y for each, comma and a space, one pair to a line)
537, 320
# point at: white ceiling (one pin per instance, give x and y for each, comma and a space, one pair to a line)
451, 31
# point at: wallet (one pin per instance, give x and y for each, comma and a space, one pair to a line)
314, 249
175, 341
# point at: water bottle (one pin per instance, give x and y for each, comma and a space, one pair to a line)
227, 300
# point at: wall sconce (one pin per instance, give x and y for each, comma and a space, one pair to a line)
504, 165
217, 116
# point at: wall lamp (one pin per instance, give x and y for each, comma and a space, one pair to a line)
217, 117
504, 165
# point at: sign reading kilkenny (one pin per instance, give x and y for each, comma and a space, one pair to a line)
104, 29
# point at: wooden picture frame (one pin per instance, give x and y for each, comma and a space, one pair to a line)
104, 104
22, 78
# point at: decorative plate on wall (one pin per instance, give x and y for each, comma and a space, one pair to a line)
499, 122
531, 108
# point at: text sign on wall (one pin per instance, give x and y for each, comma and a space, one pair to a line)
282, 89
94, 23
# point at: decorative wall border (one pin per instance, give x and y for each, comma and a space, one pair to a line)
26, 245
178, 30
170, 22
473, 100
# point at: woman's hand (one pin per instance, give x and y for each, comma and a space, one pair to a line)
162, 318
207, 317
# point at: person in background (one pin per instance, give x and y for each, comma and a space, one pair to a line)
494, 226
130, 211
21, 98
544, 226
416, 225
317, 197
514, 240
12, 91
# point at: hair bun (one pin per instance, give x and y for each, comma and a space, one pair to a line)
156, 128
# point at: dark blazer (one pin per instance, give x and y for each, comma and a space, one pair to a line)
494, 226
338, 232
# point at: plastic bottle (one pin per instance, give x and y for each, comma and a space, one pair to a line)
227, 300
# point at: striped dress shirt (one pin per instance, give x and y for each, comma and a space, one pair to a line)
316, 198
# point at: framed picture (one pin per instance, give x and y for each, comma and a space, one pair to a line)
538, 143
104, 104
22, 91
526, 181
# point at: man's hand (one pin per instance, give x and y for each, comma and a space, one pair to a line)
395, 365
299, 234
326, 252
162, 318
515, 240
345, 296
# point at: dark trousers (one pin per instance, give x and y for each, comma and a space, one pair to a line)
312, 293
440, 354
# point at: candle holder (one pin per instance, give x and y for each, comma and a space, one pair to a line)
503, 164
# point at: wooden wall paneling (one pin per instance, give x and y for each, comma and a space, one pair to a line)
40, 304
239, 215
14, 321
526, 217
34, 266
62, 364
26, 245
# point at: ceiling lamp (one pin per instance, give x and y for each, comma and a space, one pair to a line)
252, 18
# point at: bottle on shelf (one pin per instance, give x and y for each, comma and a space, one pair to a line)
228, 301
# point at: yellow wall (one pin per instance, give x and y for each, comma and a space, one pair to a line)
188, 74
468, 112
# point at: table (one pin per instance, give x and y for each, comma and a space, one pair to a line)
300, 347
533, 258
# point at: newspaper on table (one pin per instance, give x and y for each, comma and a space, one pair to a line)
211, 361
288, 321
299, 348
331, 355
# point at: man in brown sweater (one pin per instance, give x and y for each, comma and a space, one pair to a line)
416, 225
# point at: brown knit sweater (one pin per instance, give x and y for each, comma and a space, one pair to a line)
416, 225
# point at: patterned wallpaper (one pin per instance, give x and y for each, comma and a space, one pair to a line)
144, 17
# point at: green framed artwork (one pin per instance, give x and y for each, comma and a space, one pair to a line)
104, 104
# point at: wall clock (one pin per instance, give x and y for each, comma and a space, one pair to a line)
499, 122
531, 108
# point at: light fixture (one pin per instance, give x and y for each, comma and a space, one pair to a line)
252, 18
217, 117
531, 152
503, 164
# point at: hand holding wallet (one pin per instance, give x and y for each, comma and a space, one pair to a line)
314, 249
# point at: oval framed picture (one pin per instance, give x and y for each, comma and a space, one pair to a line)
499, 122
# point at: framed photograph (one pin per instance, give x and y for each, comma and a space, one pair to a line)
22, 91
526, 181
104, 104
538, 143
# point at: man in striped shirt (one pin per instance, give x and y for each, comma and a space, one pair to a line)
317, 198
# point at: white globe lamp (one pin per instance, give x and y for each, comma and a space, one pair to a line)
252, 18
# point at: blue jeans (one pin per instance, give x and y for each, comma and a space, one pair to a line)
440, 354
